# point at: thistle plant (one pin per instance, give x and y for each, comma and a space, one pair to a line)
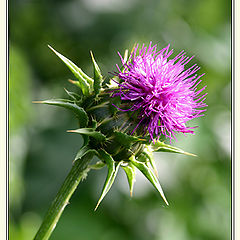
126, 118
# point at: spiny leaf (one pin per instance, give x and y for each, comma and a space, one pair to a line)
130, 172
112, 172
94, 124
98, 78
163, 147
149, 157
73, 95
85, 140
85, 150
149, 174
79, 112
84, 80
106, 120
90, 132
76, 83
126, 140
85, 154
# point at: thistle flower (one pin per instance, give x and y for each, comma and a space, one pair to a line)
158, 90
161, 91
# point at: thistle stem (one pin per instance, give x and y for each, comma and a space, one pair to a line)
76, 174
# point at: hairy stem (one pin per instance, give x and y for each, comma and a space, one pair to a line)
76, 174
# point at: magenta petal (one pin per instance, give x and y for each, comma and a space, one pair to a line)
162, 90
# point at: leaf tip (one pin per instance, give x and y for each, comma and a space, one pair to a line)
51, 48
71, 130
71, 81
155, 171
131, 193
91, 53
95, 209
190, 154
37, 101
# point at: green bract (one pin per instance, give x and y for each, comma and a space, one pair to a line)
103, 129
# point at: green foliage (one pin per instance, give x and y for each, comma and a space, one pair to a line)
129, 169
126, 140
98, 78
85, 150
75, 97
85, 82
147, 154
144, 167
114, 103
112, 172
78, 111
90, 132
163, 147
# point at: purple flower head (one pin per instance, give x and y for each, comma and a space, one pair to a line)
160, 90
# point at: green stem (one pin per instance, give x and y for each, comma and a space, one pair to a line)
68, 187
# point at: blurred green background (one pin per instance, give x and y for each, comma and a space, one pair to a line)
41, 152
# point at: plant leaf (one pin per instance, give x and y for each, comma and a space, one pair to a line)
112, 172
98, 78
85, 153
147, 153
131, 174
79, 112
94, 124
76, 83
126, 140
85, 150
73, 95
149, 174
84, 80
163, 147
90, 132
